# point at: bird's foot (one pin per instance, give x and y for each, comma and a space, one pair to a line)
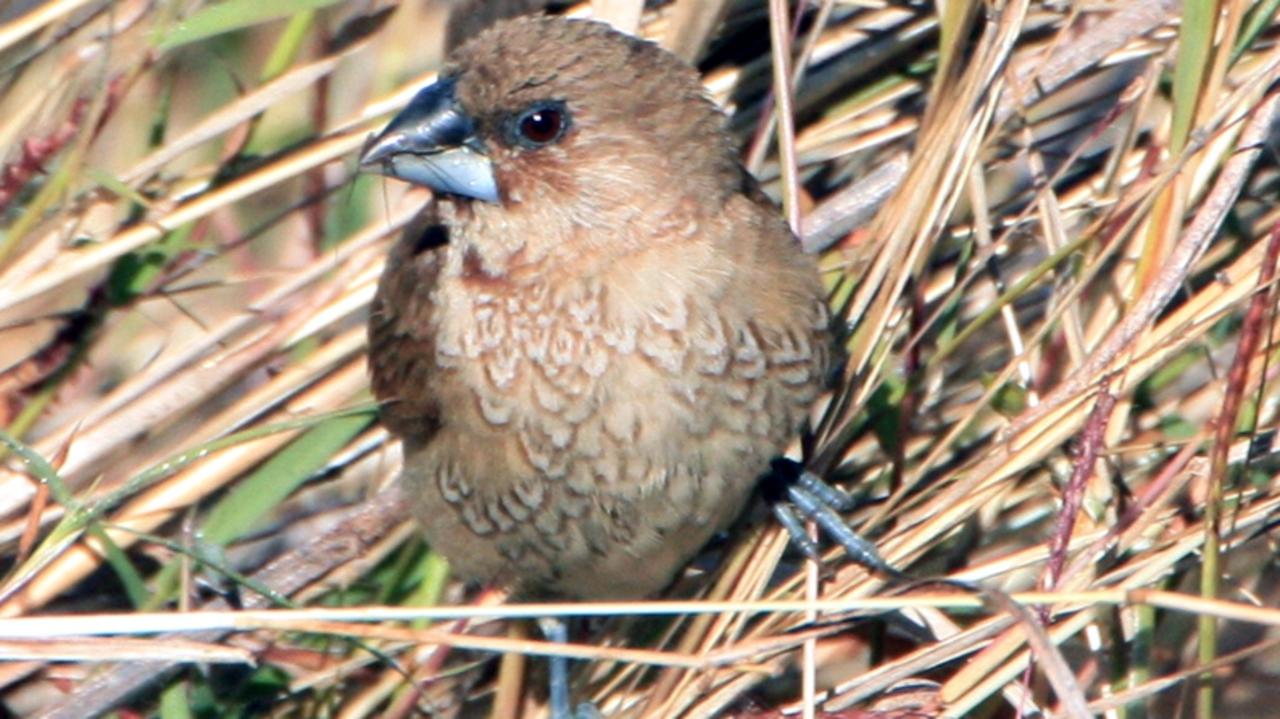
557, 630
795, 494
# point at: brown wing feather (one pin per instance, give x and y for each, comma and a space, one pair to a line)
401, 337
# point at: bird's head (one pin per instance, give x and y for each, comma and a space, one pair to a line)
563, 117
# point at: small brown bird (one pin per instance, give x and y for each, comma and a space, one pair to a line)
598, 334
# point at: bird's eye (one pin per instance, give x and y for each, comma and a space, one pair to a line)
541, 124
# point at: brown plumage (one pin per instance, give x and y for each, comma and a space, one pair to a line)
593, 357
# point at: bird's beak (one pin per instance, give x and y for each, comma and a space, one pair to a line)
433, 142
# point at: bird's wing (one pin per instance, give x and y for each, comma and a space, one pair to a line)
401, 336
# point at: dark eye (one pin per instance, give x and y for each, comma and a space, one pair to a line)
541, 124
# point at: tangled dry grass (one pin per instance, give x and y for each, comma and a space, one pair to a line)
1051, 231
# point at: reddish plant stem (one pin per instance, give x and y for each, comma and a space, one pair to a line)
36, 152
1255, 322
1086, 454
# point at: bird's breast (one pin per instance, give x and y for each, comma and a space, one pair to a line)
548, 364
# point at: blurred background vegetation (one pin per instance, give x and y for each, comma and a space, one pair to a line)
1050, 230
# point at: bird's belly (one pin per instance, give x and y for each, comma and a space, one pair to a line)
603, 491
587, 457
593, 548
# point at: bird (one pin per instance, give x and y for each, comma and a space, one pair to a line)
597, 334
597, 338
599, 331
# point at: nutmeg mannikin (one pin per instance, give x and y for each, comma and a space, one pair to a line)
598, 333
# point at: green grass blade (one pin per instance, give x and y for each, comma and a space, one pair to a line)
233, 15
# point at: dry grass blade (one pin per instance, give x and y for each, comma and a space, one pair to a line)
118, 649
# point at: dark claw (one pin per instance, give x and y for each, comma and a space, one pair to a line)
834, 498
786, 516
815, 500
